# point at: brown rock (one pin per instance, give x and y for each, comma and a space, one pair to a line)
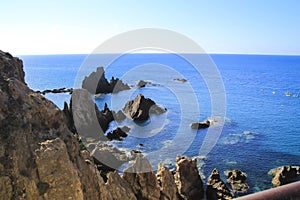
200, 125
140, 108
237, 180
187, 178
284, 175
142, 179
52, 156
166, 182
216, 188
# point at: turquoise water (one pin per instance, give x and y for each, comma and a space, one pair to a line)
262, 126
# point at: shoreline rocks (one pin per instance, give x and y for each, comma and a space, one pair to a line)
284, 175
96, 83
118, 133
237, 180
56, 91
140, 108
216, 188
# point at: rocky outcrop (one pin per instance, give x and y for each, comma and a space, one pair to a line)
96, 83
237, 180
187, 178
140, 108
142, 179
216, 188
118, 133
142, 83
200, 125
166, 183
55, 91
284, 175
39, 156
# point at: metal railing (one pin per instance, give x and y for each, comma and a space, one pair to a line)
286, 192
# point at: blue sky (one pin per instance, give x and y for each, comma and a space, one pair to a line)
232, 26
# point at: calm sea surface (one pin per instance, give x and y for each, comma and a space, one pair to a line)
262, 124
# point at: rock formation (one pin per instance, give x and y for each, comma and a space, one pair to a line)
200, 125
96, 83
187, 179
237, 180
55, 91
182, 80
39, 156
140, 108
216, 188
284, 175
142, 83
118, 133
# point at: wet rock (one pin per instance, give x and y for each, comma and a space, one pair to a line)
142, 179
166, 183
187, 179
200, 125
140, 108
96, 83
237, 180
284, 175
118, 133
216, 188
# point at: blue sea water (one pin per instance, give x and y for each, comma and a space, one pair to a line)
262, 126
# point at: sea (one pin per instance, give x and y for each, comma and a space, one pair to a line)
253, 100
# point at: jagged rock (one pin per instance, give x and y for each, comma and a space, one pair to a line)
118, 133
200, 125
140, 108
284, 175
187, 178
216, 188
96, 83
55, 91
28, 121
142, 179
118, 187
237, 180
168, 188
88, 120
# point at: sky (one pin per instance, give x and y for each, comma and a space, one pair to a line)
30, 27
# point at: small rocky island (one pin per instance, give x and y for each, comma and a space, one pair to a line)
96, 83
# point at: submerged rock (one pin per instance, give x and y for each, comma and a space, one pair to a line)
187, 178
96, 83
284, 175
237, 180
216, 189
140, 108
182, 80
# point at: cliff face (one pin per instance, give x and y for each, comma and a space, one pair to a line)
40, 158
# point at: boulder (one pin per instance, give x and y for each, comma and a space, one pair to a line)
140, 108
187, 179
96, 83
216, 189
237, 180
142, 83
200, 125
284, 175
